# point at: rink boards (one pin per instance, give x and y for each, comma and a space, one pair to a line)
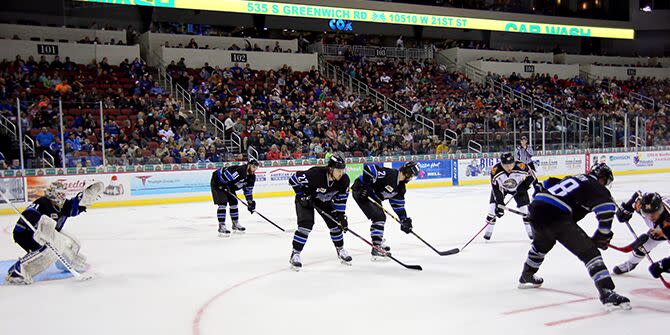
165, 187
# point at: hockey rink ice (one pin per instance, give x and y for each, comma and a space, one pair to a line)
163, 270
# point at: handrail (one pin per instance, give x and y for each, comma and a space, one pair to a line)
45, 161
252, 152
9, 125
235, 142
218, 125
474, 146
29, 143
645, 100
374, 52
363, 89
450, 135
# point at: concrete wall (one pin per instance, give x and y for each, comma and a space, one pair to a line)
622, 72
152, 42
588, 59
257, 60
78, 53
57, 33
526, 70
463, 56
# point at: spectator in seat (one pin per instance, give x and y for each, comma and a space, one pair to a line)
73, 142
273, 154
166, 134
443, 148
156, 89
69, 65
44, 139
56, 64
63, 88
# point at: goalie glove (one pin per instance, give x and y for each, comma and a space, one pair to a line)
92, 192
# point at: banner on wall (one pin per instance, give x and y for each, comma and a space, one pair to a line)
117, 186
559, 165
15, 189
476, 168
431, 169
153, 183
630, 161
277, 175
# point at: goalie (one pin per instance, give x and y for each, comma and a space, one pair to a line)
47, 215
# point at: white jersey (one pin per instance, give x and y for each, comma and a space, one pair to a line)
510, 182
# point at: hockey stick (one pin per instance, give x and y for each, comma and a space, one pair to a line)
481, 230
411, 267
255, 211
642, 239
646, 253
441, 253
512, 210
61, 258
625, 249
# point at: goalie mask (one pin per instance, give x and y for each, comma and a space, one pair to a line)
56, 193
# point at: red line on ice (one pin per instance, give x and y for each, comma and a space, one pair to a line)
546, 306
577, 318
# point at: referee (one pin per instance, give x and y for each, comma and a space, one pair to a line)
524, 153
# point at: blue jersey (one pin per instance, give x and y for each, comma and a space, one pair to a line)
44, 206
384, 183
579, 195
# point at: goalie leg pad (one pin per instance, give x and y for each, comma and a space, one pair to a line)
31, 265
46, 230
70, 248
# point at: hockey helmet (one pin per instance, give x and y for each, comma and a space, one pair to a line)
410, 169
56, 193
253, 161
507, 158
651, 205
602, 171
336, 162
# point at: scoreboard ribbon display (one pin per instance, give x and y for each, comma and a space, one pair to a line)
378, 16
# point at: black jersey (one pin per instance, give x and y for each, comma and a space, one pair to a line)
236, 178
383, 184
316, 183
518, 180
579, 195
44, 206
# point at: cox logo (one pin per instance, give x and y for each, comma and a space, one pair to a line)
342, 25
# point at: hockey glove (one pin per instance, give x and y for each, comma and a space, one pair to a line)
601, 240
366, 192
252, 206
655, 269
342, 220
305, 200
539, 187
406, 225
624, 213
500, 211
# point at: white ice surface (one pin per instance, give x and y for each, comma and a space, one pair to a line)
163, 270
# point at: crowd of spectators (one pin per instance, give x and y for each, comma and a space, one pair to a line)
290, 114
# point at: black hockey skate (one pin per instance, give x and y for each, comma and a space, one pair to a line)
238, 229
296, 263
624, 267
223, 231
380, 253
344, 257
613, 301
528, 280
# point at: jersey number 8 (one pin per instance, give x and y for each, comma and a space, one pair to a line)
564, 188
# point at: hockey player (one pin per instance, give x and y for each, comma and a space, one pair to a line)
554, 214
47, 215
382, 183
225, 182
509, 177
654, 209
325, 188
